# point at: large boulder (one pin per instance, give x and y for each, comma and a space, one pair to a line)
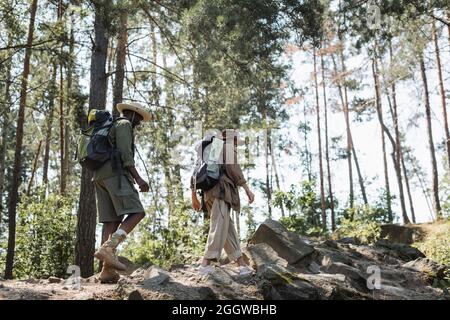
297, 290
268, 264
399, 234
402, 251
151, 277
430, 269
286, 244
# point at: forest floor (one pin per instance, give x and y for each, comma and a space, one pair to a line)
287, 267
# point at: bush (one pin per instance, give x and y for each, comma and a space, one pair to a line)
436, 246
360, 222
304, 209
45, 241
182, 242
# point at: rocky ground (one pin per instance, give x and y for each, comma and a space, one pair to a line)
287, 267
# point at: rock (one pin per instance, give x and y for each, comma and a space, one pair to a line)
358, 277
340, 268
429, 268
268, 264
65, 288
297, 290
262, 254
349, 240
155, 276
206, 293
330, 243
326, 256
221, 277
399, 234
135, 295
54, 280
403, 251
287, 245
314, 267
32, 281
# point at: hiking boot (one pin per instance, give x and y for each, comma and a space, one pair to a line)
108, 275
106, 252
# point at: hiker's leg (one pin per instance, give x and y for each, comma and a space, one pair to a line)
218, 230
131, 222
108, 229
232, 244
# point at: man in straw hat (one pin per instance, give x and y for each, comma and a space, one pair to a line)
115, 191
219, 201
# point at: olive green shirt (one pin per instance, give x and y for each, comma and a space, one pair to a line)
121, 136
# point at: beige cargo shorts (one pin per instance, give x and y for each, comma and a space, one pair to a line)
114, 202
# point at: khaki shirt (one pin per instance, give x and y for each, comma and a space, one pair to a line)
121, 136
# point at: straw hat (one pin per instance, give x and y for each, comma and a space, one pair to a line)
136, 107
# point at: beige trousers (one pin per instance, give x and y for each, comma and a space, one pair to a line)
222, 233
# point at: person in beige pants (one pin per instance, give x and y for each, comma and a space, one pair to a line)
219, 201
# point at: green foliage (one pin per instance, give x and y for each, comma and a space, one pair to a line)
436, 246
179, 243
361, 222
45, 238
304, 208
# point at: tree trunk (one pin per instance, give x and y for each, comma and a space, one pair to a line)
327, 154
277, 178
266, 164
347, 125
69, 99
62, 181
35, 164
349, 135
398, 149
122, 40
442, 92
17, 169
411, 205
6, 127
434, 173
85, 241
48, 134
63, 176
319, 137
379, 109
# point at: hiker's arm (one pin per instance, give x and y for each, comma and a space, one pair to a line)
124, 142
195, 202
143, 185
250, 194
235, 173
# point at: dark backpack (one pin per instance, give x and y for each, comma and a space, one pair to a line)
206, 173
94, 146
